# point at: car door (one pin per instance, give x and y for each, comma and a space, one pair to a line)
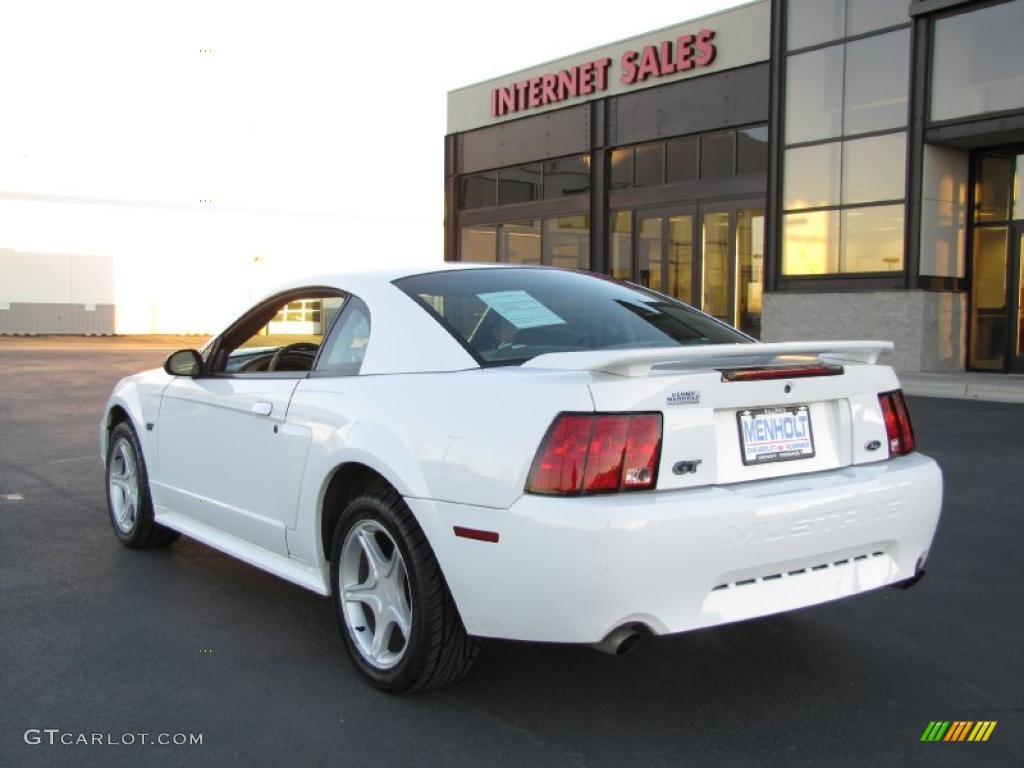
228, 459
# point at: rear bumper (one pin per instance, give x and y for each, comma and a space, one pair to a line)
573, 569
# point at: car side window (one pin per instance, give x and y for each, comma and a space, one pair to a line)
345, 347
282, 336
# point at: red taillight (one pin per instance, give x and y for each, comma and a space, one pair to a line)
898, 429
598, 453
783, 372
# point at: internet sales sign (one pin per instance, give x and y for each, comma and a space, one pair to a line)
682, 54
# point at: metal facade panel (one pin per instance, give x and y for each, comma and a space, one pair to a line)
736, 97
553, 134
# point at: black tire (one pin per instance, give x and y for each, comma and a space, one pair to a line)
140, 531
438, 651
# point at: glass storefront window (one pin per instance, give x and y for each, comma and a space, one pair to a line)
716, 155
814, 95
566, 242
752, 150
992, 188
877, 82
478, 190
680, 257
519, 243
872, 239
715, 273
868, 15
810, 243
567, 176
478, 243
648, 252
811, 176
874, 168
683, 160
810, 22
620, 249
749, 270
988, 299
519, 185
648, 164
621, 175
978, 62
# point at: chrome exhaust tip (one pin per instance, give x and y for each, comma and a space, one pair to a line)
621, 640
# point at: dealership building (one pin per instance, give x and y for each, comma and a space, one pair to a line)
800, 169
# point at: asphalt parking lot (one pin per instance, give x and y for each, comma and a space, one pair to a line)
95, 638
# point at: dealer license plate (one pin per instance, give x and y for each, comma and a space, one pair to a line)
775, 434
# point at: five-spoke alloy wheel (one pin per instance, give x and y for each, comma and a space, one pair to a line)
374, 586
396, 615
128, 499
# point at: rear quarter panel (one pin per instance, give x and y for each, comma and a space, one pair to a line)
466, 437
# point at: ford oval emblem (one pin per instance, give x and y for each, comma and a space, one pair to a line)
873, 445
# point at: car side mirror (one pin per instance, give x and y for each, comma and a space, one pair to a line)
184, 362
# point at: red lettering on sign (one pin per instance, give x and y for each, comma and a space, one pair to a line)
684, 53
648, 63
705, 50
666, 58
665, 54
628, 64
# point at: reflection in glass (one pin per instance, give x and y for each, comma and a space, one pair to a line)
519, 243
567, 176
621, 169
519, 185
872, 239
478, 190
716, 155
683, 160
868, 15
478, 243
810, 243
814, 95
749, 270
648, 250
988, 299
649, 162
752, 150
811, 176
874, 168
877, 82
621, 245
1018, 188
715, 274
810, 22
566, 242
992, 190
680, 257
1020, 296
978, 62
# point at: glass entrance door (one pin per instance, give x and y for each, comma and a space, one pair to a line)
710, 256
1017, 300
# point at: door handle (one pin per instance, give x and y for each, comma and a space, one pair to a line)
262, 408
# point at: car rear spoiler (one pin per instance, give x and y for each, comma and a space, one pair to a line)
639, 362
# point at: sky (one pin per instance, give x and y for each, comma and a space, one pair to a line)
225, 132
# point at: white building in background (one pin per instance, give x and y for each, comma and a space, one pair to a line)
77, 267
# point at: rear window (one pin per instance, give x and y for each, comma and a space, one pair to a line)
507, 316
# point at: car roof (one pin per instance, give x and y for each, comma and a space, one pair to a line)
347, 280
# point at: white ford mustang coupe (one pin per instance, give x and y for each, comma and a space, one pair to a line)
526, 453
